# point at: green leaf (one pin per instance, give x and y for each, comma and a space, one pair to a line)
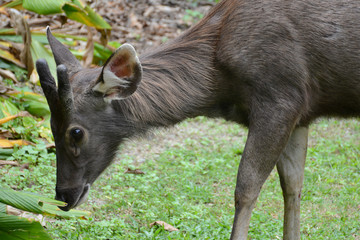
13, 4
54, 210
34, 103
84, 15
39, 51
73, 9
20, 200
7, 108
11, 38
37, 204
114, 44
11, 58
101, 52
44, 6
2, 208
15, 228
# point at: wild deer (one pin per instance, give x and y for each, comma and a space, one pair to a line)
271, 65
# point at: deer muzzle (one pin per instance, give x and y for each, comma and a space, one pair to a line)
72, 196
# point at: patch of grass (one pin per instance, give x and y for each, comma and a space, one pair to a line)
189, 183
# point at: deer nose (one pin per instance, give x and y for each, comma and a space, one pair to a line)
71, 196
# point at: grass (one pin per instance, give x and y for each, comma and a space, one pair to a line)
189, 180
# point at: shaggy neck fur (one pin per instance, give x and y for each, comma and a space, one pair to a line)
178, 79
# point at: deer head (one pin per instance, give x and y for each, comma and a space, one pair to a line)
85, 122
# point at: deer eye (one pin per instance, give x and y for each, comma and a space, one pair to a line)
77, 134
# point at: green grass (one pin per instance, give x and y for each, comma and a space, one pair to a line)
189, 183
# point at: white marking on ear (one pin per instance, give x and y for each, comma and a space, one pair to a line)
121, 74
111, 81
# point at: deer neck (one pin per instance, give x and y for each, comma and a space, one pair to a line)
178, 80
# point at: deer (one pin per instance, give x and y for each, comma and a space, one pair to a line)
272, 66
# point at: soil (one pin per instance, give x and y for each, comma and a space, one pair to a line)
147, 23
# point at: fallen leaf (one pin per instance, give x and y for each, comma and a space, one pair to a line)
135, 171
8, 74
89, 49
22, 27
50, 145
24, 166
166, 226
5, 162
8, 118
31, 216
5, 143
13, 211
6, 134
134, 22
105, 35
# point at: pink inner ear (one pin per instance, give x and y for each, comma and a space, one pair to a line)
120, 66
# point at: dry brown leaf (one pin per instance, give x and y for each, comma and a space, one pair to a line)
105, 36
6, 134
9, 118
5, 143
135, 171
50, 145
149, 11
134, 22
89, 49
5, 162
31, 216
166, 226
8, 74
22, 27
24, 166
13, 211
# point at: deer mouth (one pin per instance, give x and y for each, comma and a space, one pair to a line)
73, 196
83, 195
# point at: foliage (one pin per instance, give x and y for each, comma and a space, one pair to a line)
27, 126
192, 16
74, 9
12, 227
26, 144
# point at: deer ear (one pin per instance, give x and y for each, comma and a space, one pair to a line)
120, 75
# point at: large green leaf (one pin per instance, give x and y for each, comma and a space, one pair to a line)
11, 37
85, 15
44, 6
35, 104
13, 4
2, 208
21, 200
37, 204
73, 9
54, 210
15, 228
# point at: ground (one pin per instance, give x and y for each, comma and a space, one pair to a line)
190, 169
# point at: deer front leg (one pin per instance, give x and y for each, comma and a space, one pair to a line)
291, 171
266, 140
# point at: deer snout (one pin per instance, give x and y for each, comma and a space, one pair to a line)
72, 196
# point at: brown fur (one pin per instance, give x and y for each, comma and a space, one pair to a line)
272, 65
